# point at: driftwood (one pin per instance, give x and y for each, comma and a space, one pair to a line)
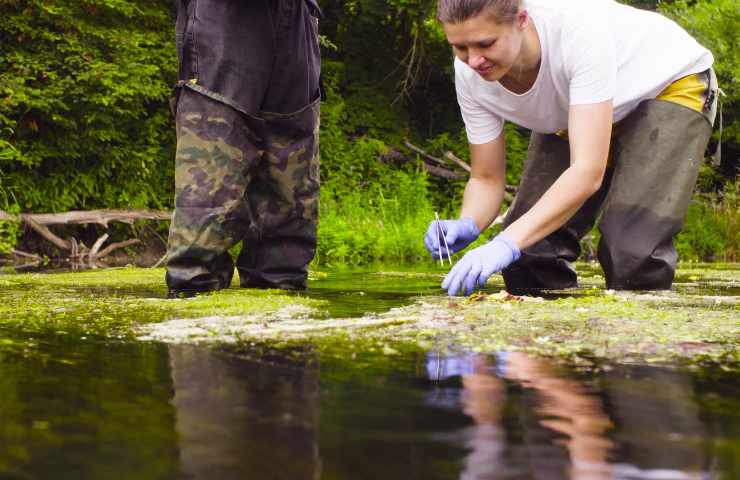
101, 217
78, 251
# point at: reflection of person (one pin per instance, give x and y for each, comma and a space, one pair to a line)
563, 406
566, 407
621, 104
240, 419
482, 399
246, 167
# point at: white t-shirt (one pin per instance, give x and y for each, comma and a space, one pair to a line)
592, 51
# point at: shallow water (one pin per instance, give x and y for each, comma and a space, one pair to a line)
353, 293
139, 411
85, 408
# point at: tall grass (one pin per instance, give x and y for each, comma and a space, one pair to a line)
383, 223
712, 228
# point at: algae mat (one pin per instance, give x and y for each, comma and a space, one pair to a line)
699, 320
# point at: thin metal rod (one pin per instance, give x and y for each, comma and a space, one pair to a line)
444, 238
439, 244
447, 248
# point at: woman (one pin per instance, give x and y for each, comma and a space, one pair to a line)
621, 104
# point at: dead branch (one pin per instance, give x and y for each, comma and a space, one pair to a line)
457, 160
115, 246
75, 254
424, 153
46, 233
442, 172
101, 217
434, 170
96, 247
160, 261
413, 66
78, 251
21, 253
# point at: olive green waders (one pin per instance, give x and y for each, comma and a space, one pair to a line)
247, 165
654, 159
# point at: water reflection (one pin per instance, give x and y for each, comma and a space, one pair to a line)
239, 419
569, 435
88, 410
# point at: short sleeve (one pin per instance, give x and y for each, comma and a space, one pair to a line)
590, 59
481, 125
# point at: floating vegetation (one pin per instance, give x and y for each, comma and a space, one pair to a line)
699, 320
114, 302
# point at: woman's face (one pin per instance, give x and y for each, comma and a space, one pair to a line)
488, 47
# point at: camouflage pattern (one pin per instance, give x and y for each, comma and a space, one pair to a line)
238, 178
247, 165
285, 200
655, 157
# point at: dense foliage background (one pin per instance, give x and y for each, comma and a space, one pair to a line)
84, 119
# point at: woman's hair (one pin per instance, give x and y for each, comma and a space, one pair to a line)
457, 11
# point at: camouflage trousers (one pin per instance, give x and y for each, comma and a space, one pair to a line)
243, 179
654, 159
247, 164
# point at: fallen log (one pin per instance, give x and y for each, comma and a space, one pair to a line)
46, 233
78, 251
101, 217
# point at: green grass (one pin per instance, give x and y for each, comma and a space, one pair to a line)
381, 224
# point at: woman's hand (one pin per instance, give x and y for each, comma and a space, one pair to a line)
458, 233
480, 263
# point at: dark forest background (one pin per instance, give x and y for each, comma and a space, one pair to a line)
85, 122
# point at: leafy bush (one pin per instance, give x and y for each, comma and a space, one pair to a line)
712, 227
83, 103
714, 24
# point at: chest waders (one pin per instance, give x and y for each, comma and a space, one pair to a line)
247, 165
654, 159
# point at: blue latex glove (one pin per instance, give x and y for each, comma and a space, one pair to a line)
459, 234
479, 264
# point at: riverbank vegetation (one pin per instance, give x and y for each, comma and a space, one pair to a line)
85, 122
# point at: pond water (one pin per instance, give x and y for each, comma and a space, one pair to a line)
87, 408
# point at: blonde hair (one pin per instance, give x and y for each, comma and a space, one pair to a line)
457, 11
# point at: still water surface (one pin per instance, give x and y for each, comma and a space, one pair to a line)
84, 409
